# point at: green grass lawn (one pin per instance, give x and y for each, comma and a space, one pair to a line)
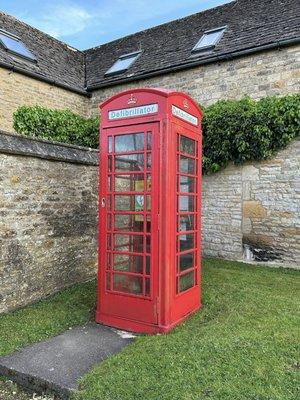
47, 318
243, 344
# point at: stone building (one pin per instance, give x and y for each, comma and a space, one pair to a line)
48, 192
245, 47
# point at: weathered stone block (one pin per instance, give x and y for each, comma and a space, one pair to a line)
253, 209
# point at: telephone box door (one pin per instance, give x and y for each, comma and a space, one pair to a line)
129, 215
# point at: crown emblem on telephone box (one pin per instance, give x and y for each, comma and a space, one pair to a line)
185, 104
132, 99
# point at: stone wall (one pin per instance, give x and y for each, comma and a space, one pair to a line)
17, 90
258, 75
48, 218
252, 212
271, 207
48, 215
222, 214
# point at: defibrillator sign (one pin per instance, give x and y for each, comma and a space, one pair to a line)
178, 112
133, 112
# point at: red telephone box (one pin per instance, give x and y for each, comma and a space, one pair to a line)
149, 210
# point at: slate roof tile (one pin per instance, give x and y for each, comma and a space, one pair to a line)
250, 24
55, 60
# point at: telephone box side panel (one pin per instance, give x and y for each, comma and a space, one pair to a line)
199, 205
186, 130
186, 293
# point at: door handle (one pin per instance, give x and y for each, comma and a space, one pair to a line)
103, 202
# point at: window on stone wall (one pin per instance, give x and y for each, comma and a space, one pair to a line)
209, 39
14, 45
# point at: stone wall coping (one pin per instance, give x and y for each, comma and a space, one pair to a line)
11, 143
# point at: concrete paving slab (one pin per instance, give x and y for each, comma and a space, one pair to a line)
56, 365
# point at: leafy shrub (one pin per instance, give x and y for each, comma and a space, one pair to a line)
233, 130
59, 125
248, 130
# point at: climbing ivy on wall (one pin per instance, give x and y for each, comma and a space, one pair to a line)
233, 130
248, 130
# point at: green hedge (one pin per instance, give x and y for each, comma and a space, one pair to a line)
233, 130
59, 125
248, 130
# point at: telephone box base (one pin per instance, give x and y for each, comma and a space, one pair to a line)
139, 327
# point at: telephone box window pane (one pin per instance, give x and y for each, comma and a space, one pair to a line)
186, 242
149, 140
186, 281
187, 165
186, 203
109, 163
132, 142
110, 144
187, 145
129, 162
148, 203
149, 161
108, 222
148, 224
147, 265
108, 242
148, 189
148, 244
107, 278
186, 223
129, 183
124, 203
187, 184
131, 223
108, 261
139, 202
129, 244
109, 183
186, 261
128, 284
129, 203
125, 262
147, 287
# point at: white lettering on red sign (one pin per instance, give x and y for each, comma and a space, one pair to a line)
178, 112
133, 112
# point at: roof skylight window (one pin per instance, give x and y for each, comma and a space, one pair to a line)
123, 63
209, 39
14, 45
